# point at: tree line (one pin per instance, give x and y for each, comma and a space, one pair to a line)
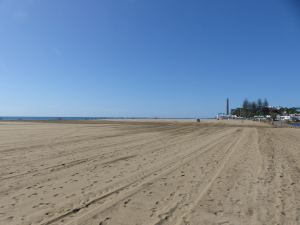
260, 108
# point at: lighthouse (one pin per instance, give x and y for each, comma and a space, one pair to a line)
227, 107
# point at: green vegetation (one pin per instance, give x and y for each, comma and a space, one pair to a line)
260, 108
292, 110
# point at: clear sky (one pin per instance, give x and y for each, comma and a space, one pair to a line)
146, 58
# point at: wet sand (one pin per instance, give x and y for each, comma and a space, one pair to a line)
148, 172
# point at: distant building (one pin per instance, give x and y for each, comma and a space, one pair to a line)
283, 117
289, 118
274, 107
226, 117
258, 117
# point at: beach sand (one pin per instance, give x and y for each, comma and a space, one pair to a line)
148, 171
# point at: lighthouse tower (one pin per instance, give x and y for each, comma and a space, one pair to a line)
227, 107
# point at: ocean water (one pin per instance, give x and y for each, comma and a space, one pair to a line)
72, 118
295, 124
50, 118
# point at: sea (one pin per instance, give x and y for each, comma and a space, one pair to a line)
295, 124
50, 118
72, 118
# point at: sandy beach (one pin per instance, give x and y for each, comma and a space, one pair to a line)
148, 171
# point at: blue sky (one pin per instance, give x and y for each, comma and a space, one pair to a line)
146, 58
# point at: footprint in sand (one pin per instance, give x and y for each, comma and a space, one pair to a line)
49, 213
10, 218
164, 216
24, 217
32, 195
105, 222
69, 196
40, 205
223, 223
153, 211
125, 203
219, 213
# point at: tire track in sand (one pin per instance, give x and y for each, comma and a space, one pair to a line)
121, 191
101, 157
193, 197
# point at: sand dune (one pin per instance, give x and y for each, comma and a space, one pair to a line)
148, 172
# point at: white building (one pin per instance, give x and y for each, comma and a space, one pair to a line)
283, 117
274, 107
290, 117
226, 117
